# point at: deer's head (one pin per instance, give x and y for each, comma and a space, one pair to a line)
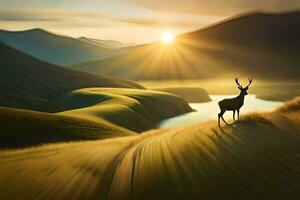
243, 89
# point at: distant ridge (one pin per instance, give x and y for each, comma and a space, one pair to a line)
110, 44
56, 49
247, 15
265, 45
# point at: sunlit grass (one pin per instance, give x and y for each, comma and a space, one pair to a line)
256, 158
136, 110
89, 114
24, 128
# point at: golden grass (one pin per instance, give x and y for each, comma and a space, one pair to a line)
92, 113
257, 158
134, 109
23, 128
291, 106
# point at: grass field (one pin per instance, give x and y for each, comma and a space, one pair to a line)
91, 113
134, 109
256, 158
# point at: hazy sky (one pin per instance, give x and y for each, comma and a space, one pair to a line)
126, 20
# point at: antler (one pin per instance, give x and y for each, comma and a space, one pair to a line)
237, 82
250, 81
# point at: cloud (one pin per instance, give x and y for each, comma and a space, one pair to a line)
171, 21
36, 14
154, 22
216, 7
24, 15
93, 19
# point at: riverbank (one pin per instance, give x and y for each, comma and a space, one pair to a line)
208, 111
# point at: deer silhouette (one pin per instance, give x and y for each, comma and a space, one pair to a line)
234, 104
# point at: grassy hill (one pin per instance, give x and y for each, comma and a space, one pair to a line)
91, 113
257, 158
134, 109
23, 128
56, 49
264, 45
28, 83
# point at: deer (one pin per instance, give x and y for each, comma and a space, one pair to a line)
233, 104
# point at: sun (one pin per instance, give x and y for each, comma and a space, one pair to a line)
167, 37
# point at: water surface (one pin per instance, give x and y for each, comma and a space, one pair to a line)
209, 111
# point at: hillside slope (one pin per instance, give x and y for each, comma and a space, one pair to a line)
56, 49
264, 45
258, 158
134, 109
28, 83
23, 128
261, 30
91, 113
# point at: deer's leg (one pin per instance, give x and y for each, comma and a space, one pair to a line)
220, 115
234, 115
238, 114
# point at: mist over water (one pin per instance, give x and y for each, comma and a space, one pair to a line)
209, 111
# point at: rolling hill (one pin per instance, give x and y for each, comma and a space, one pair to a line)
24, 128
136, 110
265, 45
257, 158
28, 83
56, 49
105, 104
89, 114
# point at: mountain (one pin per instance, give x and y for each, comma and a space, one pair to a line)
109, 44
29, 83
278, 32
264, 45
56, 49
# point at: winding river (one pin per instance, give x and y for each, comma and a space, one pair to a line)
208, 111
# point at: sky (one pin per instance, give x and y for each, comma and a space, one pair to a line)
128, 21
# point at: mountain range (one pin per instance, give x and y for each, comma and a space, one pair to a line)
264, 45
58, 49
29, 83
109, 44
